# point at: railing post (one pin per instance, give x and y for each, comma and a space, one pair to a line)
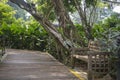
72, 58
90, 66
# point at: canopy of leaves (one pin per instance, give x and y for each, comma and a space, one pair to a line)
6, 13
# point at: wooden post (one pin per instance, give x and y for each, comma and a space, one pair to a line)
90, 74
72, 58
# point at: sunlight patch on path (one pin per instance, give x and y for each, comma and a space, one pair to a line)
77, 74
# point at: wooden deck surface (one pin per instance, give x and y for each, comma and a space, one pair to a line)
32, 65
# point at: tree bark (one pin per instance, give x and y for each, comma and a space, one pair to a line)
64, 18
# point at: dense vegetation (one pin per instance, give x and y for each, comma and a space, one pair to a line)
24, 32
19, 33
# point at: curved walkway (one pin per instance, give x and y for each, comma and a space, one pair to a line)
32, 65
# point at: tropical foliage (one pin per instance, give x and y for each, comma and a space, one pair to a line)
19, 33
52, 28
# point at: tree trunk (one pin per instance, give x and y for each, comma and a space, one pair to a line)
118, 65
118, 62
64, 19
118, 69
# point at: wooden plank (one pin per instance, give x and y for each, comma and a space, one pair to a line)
33, 65
83, 58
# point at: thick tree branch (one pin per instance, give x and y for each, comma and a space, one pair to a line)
27, 6
48, 26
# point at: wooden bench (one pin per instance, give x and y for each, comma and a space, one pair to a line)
98, 64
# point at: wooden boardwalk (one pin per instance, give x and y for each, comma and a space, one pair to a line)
32, 65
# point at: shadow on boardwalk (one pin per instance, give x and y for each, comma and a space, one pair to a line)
32, 65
